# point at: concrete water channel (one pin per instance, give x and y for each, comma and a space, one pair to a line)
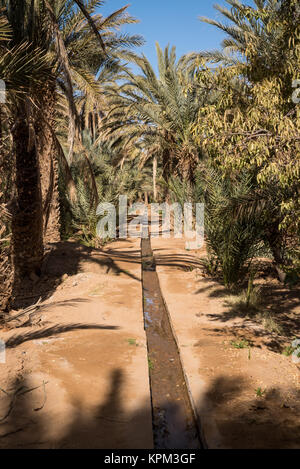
175, 425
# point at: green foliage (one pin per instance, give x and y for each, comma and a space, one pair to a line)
288, 351
293, 349
150, 364
132, 342
253, 126
242, 117
154, 115
98, 179
210, 264
270, 324
260, 392
228, 137
247, 302
231, 240
84, 218
240, 344
262, 41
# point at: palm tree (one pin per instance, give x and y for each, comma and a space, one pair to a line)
46, 37
82, 61
25, 69
153, 115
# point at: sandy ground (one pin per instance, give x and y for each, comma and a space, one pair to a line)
78, 378
223, 380
76, 374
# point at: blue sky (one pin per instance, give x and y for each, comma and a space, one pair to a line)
172, 21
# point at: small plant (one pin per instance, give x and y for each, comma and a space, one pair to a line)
150, 364
293, 350
241, 344
210, 264
247, 301
132, 342
270, 324
288, 351
259, 392
251, 298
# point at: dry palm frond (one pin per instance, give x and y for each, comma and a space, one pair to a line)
4, 212
91, 22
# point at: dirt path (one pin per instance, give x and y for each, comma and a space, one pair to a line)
86, 356
77, 376
225, 381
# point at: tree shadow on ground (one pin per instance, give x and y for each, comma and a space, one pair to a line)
107, 426
54, 330
69, 259
244, 422
230, 417
215, 288
186, 262
274, 320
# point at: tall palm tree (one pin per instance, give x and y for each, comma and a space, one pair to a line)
85, 45
154, 115
25, 70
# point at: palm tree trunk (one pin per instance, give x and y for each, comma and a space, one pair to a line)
146, 198
154, 178
166, 162
275, 241
278, 261
27, 221
48, 163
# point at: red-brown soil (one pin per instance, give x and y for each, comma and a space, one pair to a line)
224, 380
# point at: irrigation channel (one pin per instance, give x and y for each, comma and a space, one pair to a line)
174, 421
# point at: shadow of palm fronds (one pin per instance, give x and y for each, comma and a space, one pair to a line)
18, 339
29, 313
